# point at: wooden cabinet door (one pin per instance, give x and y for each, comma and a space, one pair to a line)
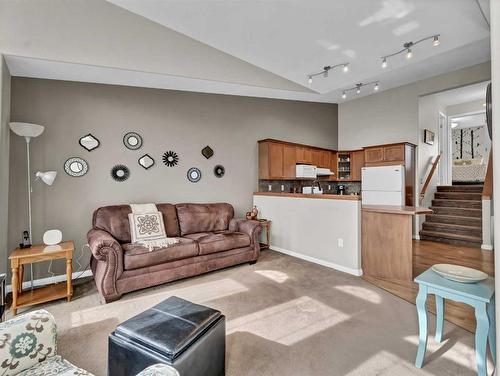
324, 159
316, 157
333, 166
289, 161
374, 155
357, 162
275, 160
394, 153
303, 155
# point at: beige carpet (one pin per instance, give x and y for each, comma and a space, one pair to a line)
284, 316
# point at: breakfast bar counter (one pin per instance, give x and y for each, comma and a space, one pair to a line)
386, 238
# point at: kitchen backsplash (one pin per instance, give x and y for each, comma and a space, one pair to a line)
288, 186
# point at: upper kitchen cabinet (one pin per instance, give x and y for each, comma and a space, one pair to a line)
304, 154
357, 163
392, 154
270, 160
289, 161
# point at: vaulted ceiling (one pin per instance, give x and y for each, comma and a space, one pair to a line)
246, 47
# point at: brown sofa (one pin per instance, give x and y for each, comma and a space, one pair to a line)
210, 239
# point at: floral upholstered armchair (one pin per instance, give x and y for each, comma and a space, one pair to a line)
28, 347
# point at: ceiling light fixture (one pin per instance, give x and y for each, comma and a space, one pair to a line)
408, 48
454, 125
326, 69
357, 88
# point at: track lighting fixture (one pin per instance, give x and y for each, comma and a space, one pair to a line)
357, 88
326, 69
408, 48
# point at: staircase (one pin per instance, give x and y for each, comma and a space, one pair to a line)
457, 217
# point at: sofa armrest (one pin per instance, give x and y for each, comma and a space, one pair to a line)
26, 340
159, 370
109, 254
250, 227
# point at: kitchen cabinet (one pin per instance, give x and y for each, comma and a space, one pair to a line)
303, 154
357, 163
270, 160
289, 161
324, 159
392, 154
316, 157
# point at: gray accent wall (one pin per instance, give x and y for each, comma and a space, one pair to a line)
4, 160
167, 120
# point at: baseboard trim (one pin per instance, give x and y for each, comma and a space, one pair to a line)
49, 280
356, 272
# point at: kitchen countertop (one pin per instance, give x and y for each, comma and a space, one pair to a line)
302, 195
393, 209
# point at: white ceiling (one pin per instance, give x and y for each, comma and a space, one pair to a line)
469, 121
283, 41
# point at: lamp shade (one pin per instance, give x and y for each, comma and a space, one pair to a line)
26, 129
47, 177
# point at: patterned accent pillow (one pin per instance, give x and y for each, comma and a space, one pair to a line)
26, 340
144, 227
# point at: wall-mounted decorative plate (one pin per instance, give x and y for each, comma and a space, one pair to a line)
207, 152
146, 161
219, 171
76, 167
120, 172
170, 158
194, 175
132, 140
89, 142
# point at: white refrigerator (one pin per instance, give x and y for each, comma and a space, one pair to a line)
383, 185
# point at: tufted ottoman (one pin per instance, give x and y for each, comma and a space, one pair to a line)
189, 337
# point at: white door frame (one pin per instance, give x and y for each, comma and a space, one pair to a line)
444, 145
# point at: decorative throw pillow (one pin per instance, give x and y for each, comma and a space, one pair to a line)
145, 227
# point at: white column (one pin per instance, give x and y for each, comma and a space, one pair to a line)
495, 80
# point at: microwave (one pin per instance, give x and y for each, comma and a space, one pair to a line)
305, 171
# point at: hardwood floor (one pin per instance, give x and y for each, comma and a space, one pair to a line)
427, 253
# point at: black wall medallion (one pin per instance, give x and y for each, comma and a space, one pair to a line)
207, 152
132, 140
170, 158
146, 161
89, 142
219, 171
76, 167
120, 172
194, 175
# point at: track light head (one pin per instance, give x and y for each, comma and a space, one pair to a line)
358, 88
409, 53
435, 41
384, 62
346, 68
310, 80
375, 88
344, 95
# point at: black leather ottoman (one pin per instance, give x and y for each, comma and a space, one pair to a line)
187, 336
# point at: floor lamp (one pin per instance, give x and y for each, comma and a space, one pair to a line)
28, 131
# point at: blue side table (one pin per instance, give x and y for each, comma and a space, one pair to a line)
479, 295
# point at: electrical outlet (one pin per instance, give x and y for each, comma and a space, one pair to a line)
340, 242
329, 187
269, 187
282, 187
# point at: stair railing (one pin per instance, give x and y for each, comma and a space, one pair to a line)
487, 205
429, 178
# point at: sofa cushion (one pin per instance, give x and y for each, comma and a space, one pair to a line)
114, 220
54, 365
137, 256
194, 218
219, 241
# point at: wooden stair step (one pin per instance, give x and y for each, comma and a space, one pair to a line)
460, 188
450, 237
469, 204
458, 196
453, 228
462, 212
453, 219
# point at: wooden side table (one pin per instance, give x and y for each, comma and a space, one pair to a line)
266, 226
480, 295
20, 257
